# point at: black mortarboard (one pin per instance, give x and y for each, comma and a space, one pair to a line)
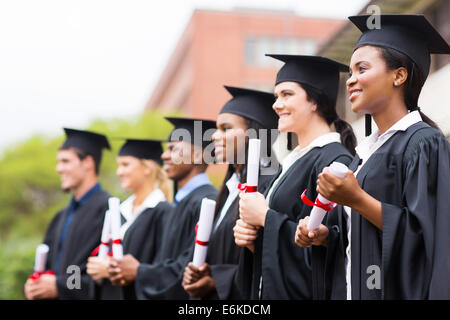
252, 104
410, 34
88, 141
317, 72
142, 149
192, 126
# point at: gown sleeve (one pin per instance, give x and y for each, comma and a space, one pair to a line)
416, 237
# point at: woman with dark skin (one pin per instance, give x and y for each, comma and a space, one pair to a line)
248, 109
394, 222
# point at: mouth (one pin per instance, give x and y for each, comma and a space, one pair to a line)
353, 93
282, 115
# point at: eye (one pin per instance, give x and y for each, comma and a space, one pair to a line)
362, 68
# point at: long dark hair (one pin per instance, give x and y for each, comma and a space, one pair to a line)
414, 82
326, 108
223, 192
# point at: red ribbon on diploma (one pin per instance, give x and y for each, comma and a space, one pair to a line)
37, 275
202, 243
327, 207
247, 189
95, 251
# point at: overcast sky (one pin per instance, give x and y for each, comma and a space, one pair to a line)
67, 62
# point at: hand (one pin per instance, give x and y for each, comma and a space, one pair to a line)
253, 208
316, 237
245, 235
198, 281
42, 288
200, 288
98, 268
345, 191
193, 274
123, 271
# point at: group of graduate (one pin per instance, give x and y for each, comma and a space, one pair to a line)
387, 237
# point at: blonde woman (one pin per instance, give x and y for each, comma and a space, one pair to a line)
139, 170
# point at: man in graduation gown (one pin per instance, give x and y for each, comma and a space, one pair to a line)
75, 231
184, 164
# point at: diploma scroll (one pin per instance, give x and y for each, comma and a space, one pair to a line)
40, 261
254, 151
205, 224
320, 207
114, 210
106, 231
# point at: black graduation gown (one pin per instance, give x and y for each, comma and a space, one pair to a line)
143, 238
83, 236
286, 268
223, 254
162, 279
410, 176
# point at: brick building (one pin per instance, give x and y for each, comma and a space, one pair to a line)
219, 48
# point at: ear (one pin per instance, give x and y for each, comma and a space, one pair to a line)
89, 163
400, 76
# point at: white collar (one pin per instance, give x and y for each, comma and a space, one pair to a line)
152, 200
401, 125
232, 183
316, 143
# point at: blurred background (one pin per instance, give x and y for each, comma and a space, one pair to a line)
118, 67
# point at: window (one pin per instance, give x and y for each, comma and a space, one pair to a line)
257, 46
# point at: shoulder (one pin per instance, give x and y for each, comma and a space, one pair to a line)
164, 206
423, 139
333, 152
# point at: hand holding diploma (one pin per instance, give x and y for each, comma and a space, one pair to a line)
305, 238
198, 281
347, 192
41, 284
245, 234
322, 204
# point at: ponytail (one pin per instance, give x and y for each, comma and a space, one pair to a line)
348, 138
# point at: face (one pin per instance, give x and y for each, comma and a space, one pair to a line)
229, 138
370, 85
292, 106
71, 169
178, 160
132, 172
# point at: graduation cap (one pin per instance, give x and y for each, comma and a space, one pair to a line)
88, 141
142, 149
411, 35
317, 72
190, 124
252, 104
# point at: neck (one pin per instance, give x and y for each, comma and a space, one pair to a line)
389, 115
142, 193
238, 168
316, 128
182, 182
87, 184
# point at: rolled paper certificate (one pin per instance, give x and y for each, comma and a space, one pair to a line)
106, 231
41, 258
205, 224
114, 210
317, 213
254, 151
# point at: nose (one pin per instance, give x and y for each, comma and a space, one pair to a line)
165, 155
216, 135
277, 105
351, 81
